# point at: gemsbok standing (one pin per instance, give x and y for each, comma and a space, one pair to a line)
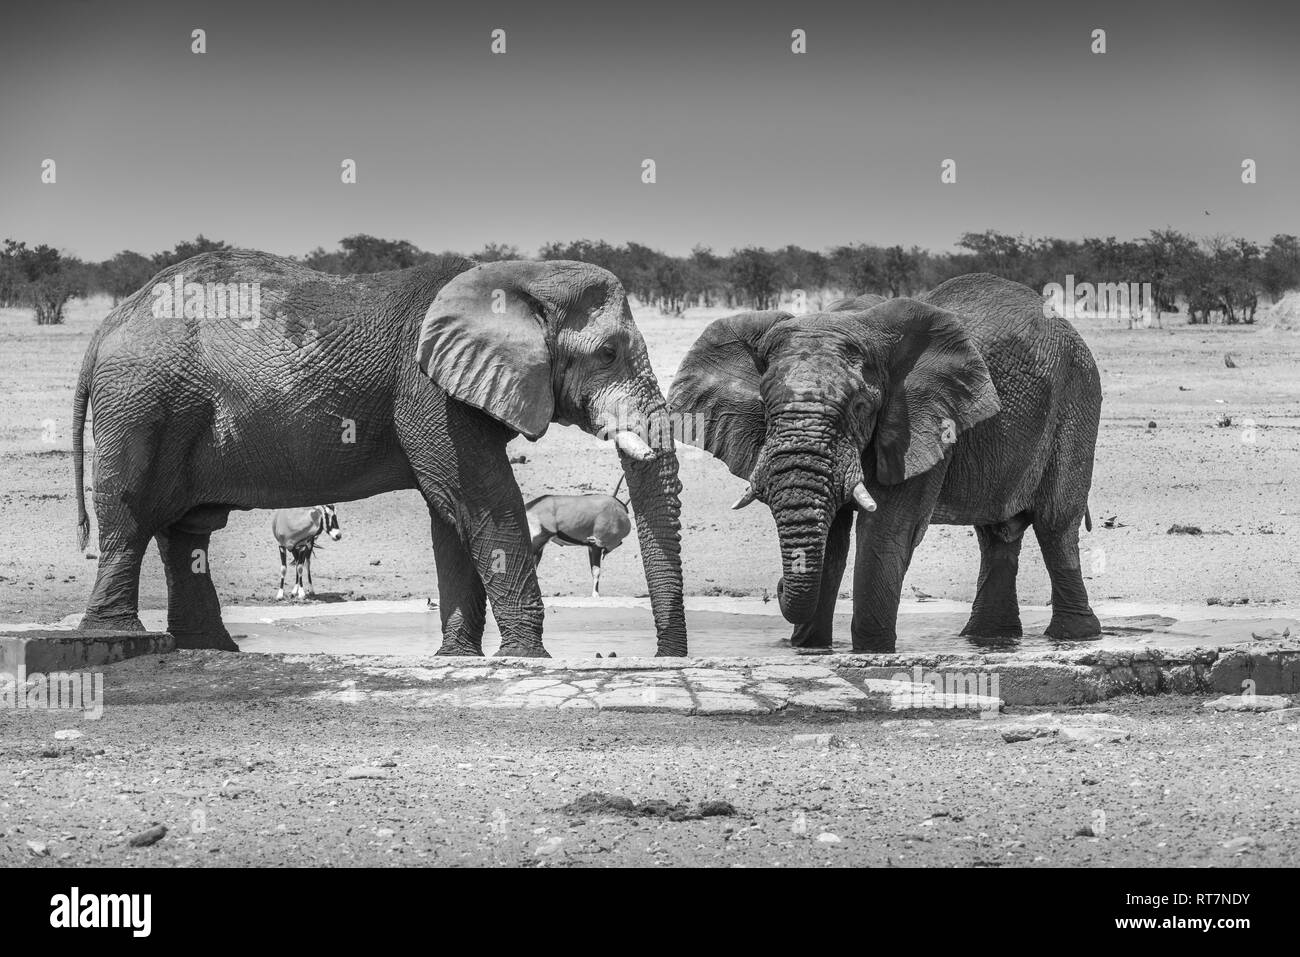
296, 529
599, 522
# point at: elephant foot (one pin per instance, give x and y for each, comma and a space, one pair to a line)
810, 639
875, 645
1068, 626
217, 640
97, 621
987, 627
518, 650
673, 650
459, 649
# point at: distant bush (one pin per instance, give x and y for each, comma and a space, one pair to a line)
124, 274
41, 278
1220, 278
186, 250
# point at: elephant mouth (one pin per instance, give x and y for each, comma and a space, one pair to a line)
626, 430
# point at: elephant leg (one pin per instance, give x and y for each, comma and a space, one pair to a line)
193, 609
996, 610
115, 600
886, 539
502, 551
462, 600
1072, 616
817, 632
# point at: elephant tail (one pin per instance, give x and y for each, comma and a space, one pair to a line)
80, 402
1087, 518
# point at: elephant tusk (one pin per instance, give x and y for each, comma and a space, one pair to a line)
865, 501
633, 445
746, 498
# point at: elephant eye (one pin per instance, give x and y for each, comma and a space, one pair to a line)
608, 352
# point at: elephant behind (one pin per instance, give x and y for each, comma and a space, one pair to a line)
341, 387
967, 406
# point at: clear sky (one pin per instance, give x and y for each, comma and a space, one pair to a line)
456, 147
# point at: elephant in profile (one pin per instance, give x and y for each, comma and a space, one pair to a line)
967, 406
343, 387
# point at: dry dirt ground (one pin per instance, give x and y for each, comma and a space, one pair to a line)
1237, 483
250, 772
244, 774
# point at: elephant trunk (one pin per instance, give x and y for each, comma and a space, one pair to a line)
654, 490
798, 483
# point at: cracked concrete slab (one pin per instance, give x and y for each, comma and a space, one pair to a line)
1265, 661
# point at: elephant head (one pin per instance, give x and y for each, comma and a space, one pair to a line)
812, 409
532, 343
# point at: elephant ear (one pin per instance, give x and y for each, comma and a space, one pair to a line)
936, 386
718, 382
485, 341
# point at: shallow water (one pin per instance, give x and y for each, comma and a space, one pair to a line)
581, 632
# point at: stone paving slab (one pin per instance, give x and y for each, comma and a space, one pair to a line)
690, 686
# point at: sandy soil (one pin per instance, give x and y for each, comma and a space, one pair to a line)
248, 773
1238, 484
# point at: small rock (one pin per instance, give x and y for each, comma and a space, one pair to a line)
518, 460
1249, 702
1184, 530
717, 809
1085, 831
38, 849
363, 771
1151, 424
146, 838
548, 847
1094, 735
823, 741
598, 802
376, 561
385, 832
1238, 844
1227, 360
826, 837
69, 734
1015, 735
